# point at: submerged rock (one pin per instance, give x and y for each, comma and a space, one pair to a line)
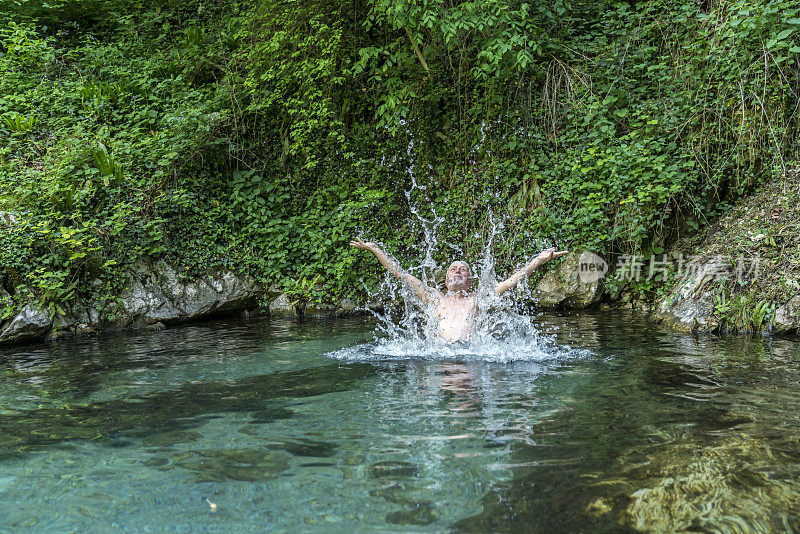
419, 513
567, 287
304, 447
246, 465
392, 469
732, 487
170, 438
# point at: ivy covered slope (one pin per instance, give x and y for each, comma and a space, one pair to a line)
260, 136
746, 268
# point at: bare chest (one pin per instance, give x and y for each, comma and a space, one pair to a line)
455, 309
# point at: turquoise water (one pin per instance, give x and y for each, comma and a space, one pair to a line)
263, 425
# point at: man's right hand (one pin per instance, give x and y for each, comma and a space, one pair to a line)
422, 292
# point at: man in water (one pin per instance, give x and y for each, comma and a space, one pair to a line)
456, 309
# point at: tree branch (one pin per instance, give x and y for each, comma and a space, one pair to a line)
417, 51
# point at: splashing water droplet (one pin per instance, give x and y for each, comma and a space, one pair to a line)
408, 329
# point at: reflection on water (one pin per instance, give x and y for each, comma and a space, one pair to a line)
633, 428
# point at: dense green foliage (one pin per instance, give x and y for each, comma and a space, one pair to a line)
260, 135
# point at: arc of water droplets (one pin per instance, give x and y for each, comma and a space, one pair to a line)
500, 334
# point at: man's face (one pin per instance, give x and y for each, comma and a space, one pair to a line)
459, 277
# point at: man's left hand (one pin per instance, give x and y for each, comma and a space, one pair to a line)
550, 254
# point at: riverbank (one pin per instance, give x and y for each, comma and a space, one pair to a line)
739, 274
247, 143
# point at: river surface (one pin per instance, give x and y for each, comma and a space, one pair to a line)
262, 425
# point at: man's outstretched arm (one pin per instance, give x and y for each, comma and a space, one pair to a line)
423, 292
524, 272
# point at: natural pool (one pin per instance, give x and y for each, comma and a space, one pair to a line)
640, 429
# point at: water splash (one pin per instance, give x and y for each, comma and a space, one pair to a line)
502, 332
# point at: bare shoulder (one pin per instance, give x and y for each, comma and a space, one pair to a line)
433, 297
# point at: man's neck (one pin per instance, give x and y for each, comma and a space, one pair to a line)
460, 294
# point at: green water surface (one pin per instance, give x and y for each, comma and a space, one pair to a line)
252, 426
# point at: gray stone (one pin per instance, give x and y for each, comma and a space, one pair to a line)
284, 307
55, 335
564, 287
347, 307
343, 308
82, 328
212, 294
29, 324
143, 301
93, 314
376, 304
62, 322
689, 307
321, 311
157, 294
787, 317
79, 314
688, 315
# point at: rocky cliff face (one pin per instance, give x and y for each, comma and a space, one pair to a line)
689, 307
155, 295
